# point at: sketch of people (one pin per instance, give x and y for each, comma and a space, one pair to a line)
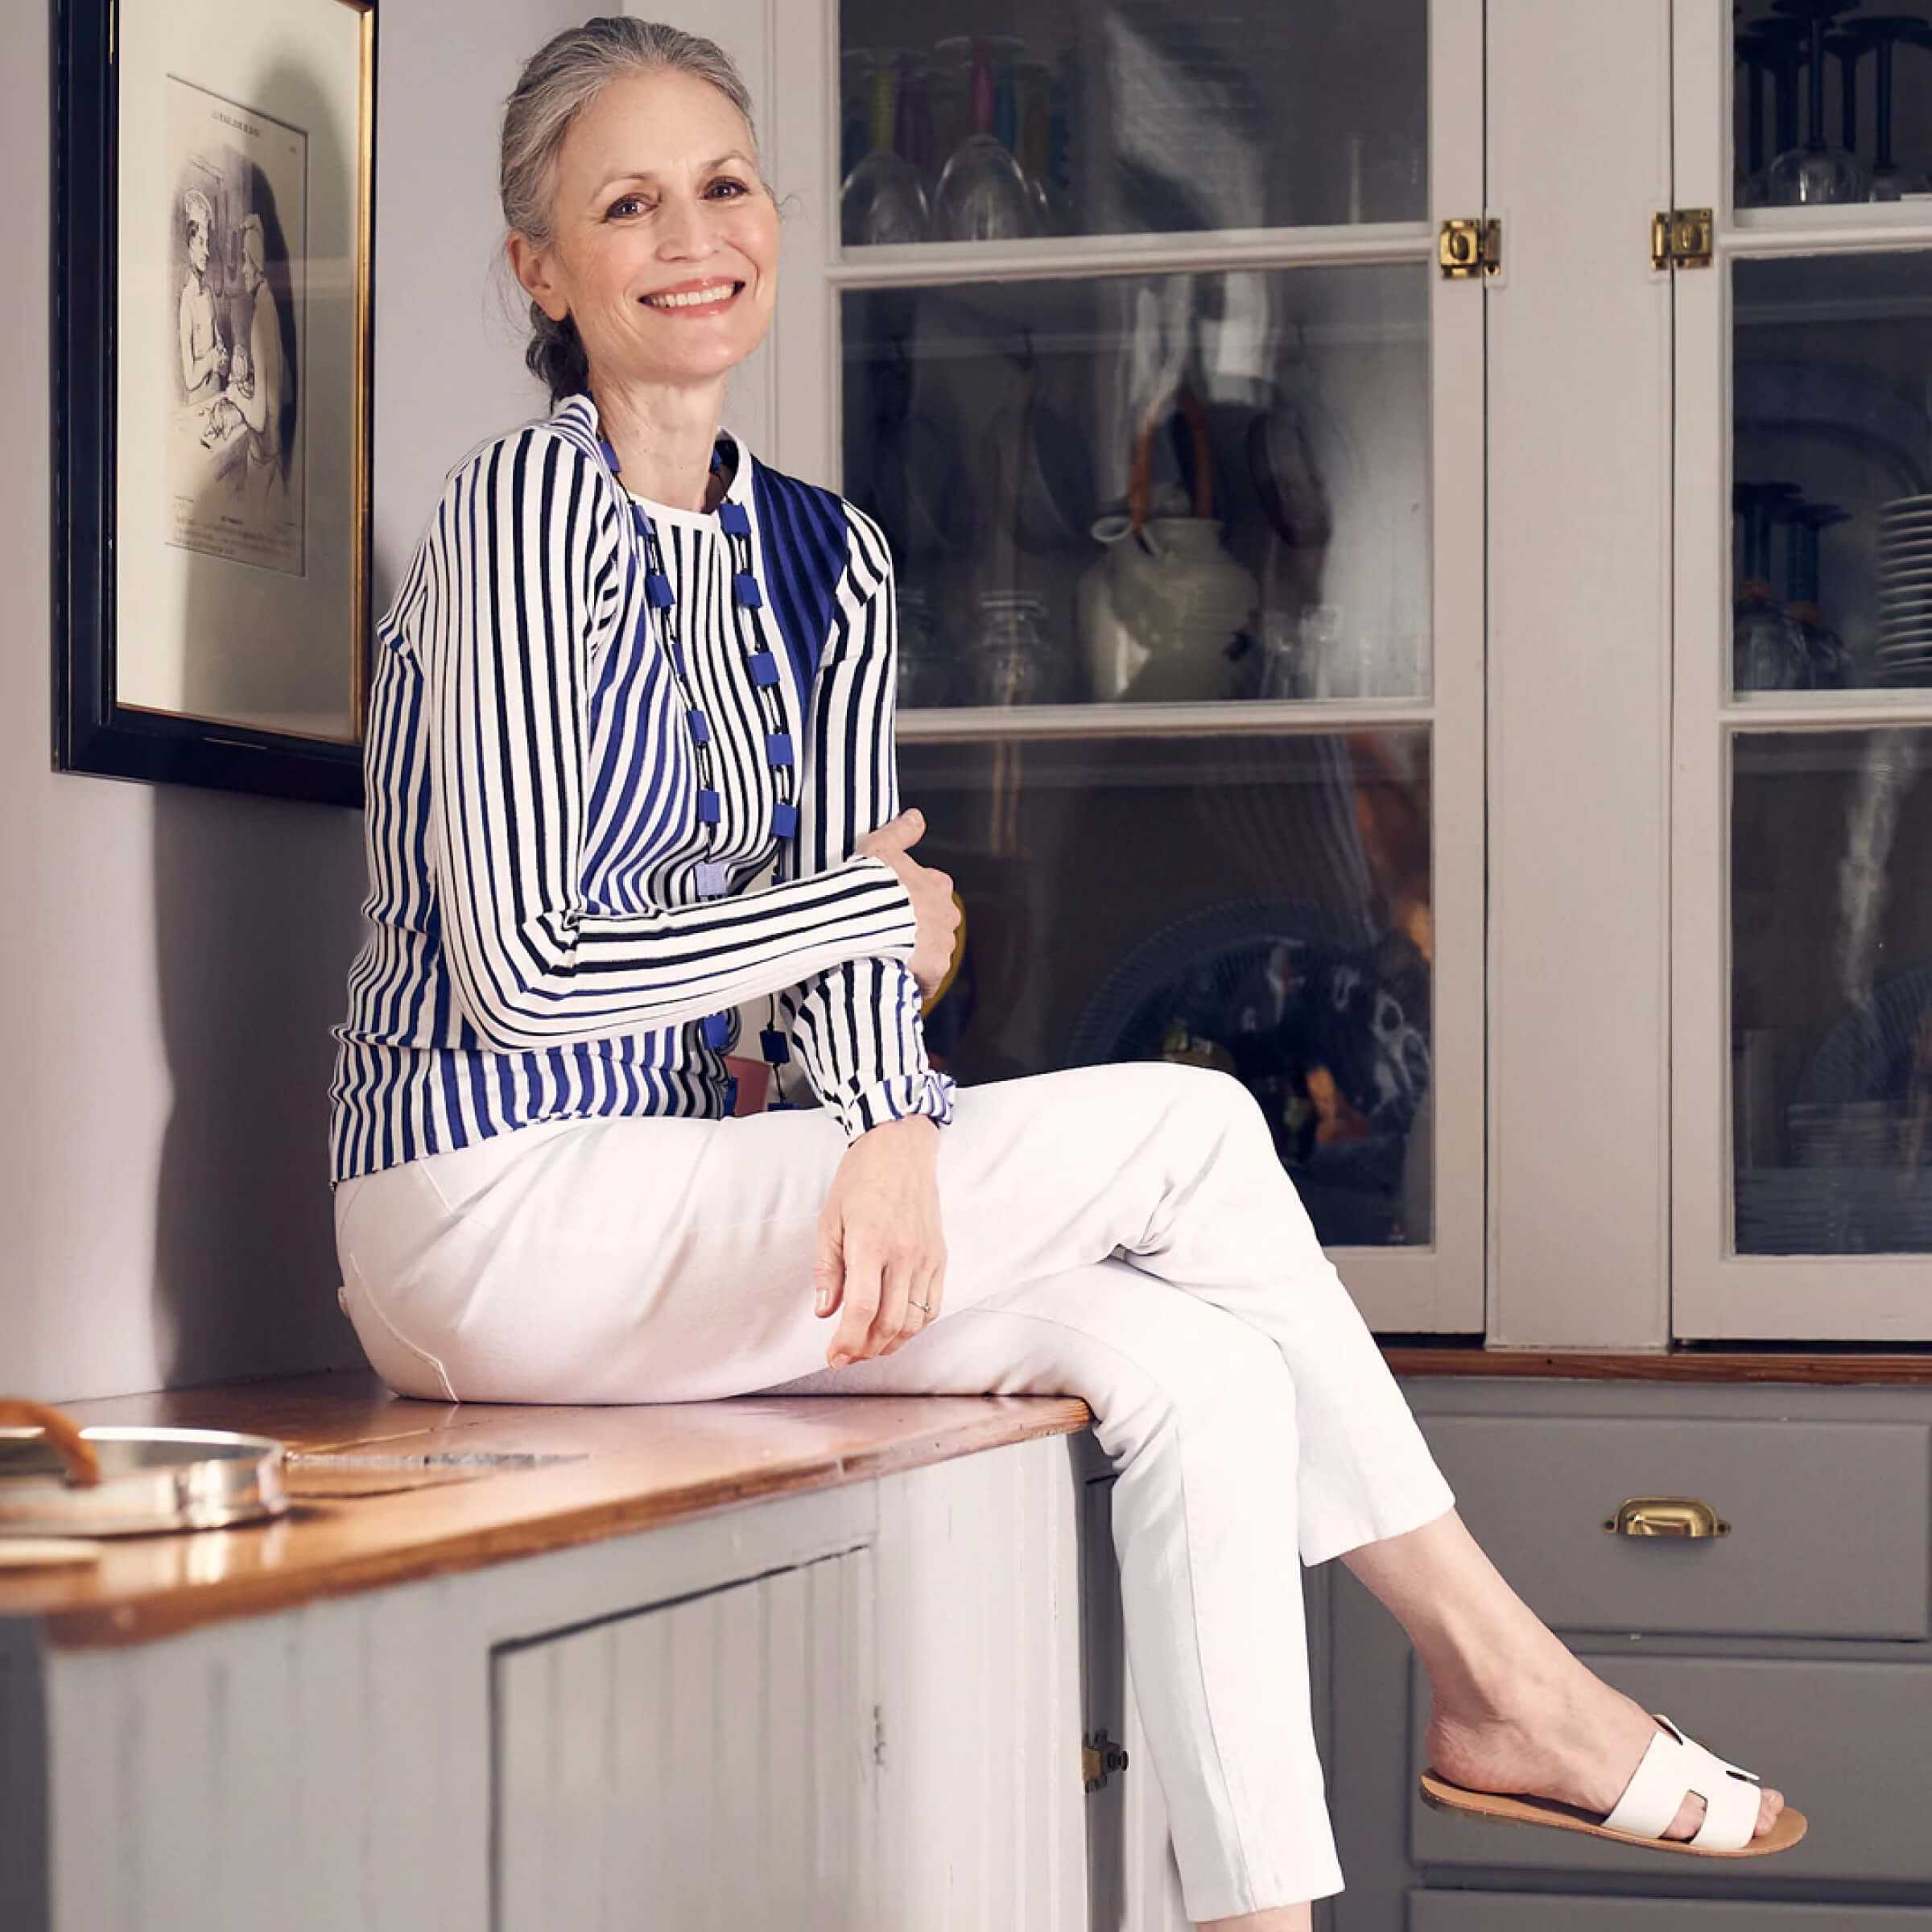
237, 469
204, 357
258, 394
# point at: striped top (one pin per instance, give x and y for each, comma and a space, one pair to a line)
538, 948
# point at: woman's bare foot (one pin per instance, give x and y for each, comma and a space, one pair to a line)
1512, 1708
1577, 1741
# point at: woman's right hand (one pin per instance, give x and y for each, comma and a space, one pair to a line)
931, 889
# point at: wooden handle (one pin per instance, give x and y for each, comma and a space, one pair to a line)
1140, 478
76, 1452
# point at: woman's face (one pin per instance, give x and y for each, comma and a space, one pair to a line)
655, 192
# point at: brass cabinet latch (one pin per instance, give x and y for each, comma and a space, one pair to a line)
1665, 1516
1680, 238
1463, 248
1098, 1756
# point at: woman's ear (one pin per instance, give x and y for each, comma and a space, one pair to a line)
531, 265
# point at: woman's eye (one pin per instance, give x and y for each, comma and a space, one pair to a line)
623, 205
727, 181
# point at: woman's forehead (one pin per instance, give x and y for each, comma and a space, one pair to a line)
648, 124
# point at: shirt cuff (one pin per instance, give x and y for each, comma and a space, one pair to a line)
930, 1092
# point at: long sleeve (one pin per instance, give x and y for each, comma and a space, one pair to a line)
856, 1024
508, 615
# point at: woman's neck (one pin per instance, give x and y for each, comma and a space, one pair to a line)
664, 442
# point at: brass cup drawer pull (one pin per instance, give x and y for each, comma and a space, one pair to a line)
1665, 1516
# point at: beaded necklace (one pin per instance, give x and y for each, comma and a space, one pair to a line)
713, 874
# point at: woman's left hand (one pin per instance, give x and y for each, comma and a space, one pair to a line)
880, 1248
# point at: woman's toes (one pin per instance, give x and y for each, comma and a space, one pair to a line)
1769, 1807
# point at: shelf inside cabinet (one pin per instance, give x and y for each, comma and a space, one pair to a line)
1296, 715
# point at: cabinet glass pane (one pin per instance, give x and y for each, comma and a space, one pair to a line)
1001, 119
1255, 903
1832, 462
1832, 103
1181, 488
1831, 992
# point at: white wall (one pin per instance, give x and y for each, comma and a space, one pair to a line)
171, 959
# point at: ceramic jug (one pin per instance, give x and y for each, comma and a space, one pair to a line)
1159, 610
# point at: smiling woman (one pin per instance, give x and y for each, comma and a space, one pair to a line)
653, 212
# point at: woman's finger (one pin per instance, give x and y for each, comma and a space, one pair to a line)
894, 1299
863, 1268
827, 1269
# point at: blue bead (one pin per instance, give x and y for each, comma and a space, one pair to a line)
658, 587
746, 587
732, 518
777, 747
784, 819
714, 878
717, 1029
731, 1093
708, 805
774, 1046
764, 667
700, 726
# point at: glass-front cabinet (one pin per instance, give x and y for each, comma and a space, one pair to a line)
1135, 340
1803, 711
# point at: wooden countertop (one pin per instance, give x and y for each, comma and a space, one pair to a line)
356, 1526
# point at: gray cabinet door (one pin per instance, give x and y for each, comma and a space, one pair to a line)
705, 1764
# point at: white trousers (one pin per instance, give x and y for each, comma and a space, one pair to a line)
1121, 1233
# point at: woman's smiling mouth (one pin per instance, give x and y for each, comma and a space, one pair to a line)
712, 298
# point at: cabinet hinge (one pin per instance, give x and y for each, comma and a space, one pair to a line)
1098, 1756
1680, 238
878, 1734
1465, 247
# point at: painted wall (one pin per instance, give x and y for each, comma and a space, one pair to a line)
171, 959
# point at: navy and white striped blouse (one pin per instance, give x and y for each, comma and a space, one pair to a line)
538, 946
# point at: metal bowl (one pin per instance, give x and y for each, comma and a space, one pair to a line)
151, 1479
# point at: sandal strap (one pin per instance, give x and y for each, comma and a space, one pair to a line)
1675, 1766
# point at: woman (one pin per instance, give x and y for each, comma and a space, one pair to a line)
630, 667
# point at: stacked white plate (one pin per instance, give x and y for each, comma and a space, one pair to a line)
1904, 590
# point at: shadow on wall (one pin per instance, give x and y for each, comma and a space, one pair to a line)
256, 914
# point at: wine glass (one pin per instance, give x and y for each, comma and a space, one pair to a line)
882, 200
1883, 32
1815, 172
983, 194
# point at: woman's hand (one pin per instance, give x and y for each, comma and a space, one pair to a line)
881, 1249
931, 892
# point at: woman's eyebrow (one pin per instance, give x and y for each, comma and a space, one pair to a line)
646, 174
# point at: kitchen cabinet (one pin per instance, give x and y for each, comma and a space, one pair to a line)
1795, 1643
1586, 992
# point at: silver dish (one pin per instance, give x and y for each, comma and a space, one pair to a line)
151, 1479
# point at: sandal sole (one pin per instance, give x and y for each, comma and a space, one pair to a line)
1502, 1809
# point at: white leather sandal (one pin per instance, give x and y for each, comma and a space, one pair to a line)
1674, 1767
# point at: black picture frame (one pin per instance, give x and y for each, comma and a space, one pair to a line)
94, 732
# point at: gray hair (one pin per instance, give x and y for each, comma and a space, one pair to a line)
558, 81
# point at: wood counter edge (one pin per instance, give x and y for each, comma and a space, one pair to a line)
175, 1609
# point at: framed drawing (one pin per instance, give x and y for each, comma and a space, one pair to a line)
213, 190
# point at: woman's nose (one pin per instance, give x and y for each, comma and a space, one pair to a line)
684, 229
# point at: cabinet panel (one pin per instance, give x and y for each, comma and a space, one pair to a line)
707, 1764
1537, 1912
1809, 1504
1839, 1740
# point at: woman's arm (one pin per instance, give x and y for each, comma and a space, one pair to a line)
856, 1024
505, 619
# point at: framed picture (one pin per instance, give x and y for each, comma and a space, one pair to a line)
213, 218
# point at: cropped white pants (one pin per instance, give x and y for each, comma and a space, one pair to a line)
1121, 1233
